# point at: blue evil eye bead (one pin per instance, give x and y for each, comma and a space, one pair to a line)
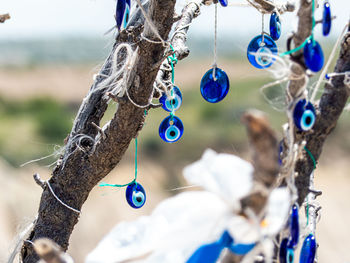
171, 129
122, 13
308, 250
294, 227
261, 53
313, 56
275, 26
214, 90
283, 251
290, 255
304, 115
327, 19
223, 2
135, 195
171, 103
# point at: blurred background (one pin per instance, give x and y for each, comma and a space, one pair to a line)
49, 51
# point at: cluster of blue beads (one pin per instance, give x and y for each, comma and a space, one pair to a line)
171, 128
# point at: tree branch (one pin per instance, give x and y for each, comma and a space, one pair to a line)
4, 17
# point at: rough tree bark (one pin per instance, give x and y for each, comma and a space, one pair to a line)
81, 168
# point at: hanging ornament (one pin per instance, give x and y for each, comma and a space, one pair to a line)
224, 3
294, 227
215, 83
283, 251
214, 89
275, 26
308, 250
327, 19
122, 13
171, 103
313, 55
304, 115
135, 195
261, 51
171, 129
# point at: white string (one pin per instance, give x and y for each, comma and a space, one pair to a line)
330, 59
215, 42
60, 201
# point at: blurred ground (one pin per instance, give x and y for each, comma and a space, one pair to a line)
37, 107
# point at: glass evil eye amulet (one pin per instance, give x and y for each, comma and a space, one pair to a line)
135, 195
171, 103
171, 129
210, 253
294, 227
304, 115
327, 19
275, 26
223, 2
215, 89
122, 13
261, 51
313, 55
308, 250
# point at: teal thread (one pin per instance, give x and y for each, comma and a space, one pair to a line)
307, 39
307, 203
133, 181
172, 61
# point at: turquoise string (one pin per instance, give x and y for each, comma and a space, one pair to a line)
307, 203
307, 39
133, 181
172, 61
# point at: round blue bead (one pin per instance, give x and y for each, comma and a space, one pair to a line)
327, 19
308, 250
304, 115
223, 2
174, 103
216, 90
171, 129
313, 55
135, 195
283, 251
122, 13
294, 227
275, 26
261, 53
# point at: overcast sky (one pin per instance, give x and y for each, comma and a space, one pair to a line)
56, 18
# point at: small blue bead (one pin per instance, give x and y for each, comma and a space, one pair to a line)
313, 56
294, 227
171, 130
304, 115
327, 19
122, 13
212, 90
169, 103
290, 255
283, 251
135, 195
223, 2
327, 77
275, 26
308, 250
261, 54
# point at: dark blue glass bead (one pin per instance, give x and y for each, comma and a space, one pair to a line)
223, 2
122, 13
216, 90
313, 55
171, 103
171, 129
135, 195
304, 115
290, 255
283, 251
294, 227
308, 250
261, 53
327, 19
275, 26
